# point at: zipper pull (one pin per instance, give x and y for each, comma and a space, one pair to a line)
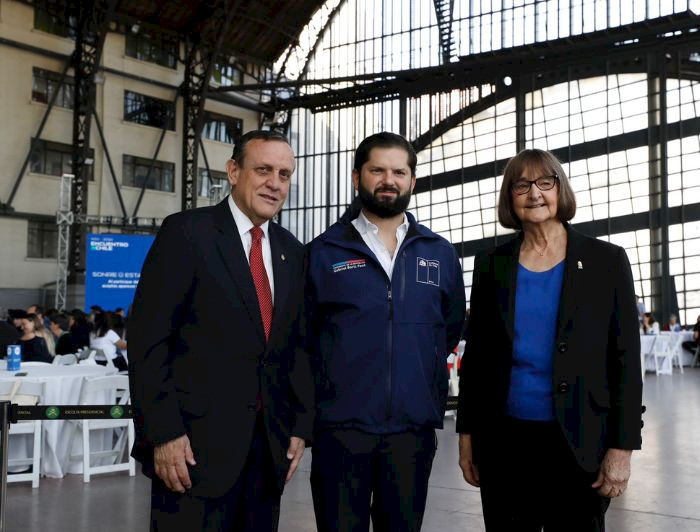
391, 306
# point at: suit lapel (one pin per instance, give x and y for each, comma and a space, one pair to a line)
281, 273
573, 270
506, 279
230, 247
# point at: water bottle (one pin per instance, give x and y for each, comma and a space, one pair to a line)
14, 357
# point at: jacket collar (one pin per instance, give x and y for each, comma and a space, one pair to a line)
343, 232
230, 248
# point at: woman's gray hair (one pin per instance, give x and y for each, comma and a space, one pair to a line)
540, 163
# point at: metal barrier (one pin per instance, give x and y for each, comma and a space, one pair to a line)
12, 413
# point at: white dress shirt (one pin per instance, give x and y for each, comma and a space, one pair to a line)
244, 226
370, 234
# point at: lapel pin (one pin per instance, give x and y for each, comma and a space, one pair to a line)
283, 257
580, 266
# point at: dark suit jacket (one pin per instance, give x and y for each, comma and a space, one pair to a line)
197, 353
596, 381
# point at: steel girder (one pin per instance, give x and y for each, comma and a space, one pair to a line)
92, 29
475, 70
199, 60
443, 11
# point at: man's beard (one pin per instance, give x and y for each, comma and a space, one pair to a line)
387, 206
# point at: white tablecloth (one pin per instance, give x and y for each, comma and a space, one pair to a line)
647, 341
62, 387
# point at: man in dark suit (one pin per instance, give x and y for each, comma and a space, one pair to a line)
224, 401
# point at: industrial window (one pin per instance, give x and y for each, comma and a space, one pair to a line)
42, 240
135, 174
57, 23
212, 184
226, 75
222, 128
45, 83
149, 111
143, 47
55, 158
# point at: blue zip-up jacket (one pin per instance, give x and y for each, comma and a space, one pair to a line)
380, 344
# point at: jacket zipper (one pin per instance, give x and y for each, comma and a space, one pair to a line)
390, 303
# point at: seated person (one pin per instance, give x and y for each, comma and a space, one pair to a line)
106, 339
79, 328
34, 347
59, 328
15, 318
8, 334
649, 324
672, 325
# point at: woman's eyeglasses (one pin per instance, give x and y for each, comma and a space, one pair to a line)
522, 186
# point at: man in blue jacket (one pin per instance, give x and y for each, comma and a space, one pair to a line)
384, 307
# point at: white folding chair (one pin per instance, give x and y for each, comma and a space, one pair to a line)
676, 348
87, 356
648, 349
453, 375
66, 360
663, 358
25, 393
117, 388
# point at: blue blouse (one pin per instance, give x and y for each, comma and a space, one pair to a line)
536, 307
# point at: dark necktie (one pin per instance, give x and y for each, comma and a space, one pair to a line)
262, 285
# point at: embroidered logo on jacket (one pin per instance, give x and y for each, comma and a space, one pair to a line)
349, 265
428, 271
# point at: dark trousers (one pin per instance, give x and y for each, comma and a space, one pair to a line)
355, 475
531, 480
690, 346
119, 362
251, 505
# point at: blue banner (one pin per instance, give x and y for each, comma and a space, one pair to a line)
113, 267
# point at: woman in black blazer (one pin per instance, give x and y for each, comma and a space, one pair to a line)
550, 386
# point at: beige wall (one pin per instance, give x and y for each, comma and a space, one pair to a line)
21, 117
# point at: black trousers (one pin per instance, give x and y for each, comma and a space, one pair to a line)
355, 475
251, 505
530, 480
119, 362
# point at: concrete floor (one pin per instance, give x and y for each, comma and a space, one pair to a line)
663, 495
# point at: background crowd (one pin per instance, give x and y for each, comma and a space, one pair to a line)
649, 325
45, 333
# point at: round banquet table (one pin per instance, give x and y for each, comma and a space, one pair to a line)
61, 387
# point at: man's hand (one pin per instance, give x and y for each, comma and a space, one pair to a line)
171, 460
294, 453
614, 473
466, 461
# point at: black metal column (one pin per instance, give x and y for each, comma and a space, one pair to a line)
92, 20
524, 85
661, 286
199, 60
193, 92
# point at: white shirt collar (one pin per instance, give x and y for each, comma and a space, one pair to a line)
242, 221
363, 224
